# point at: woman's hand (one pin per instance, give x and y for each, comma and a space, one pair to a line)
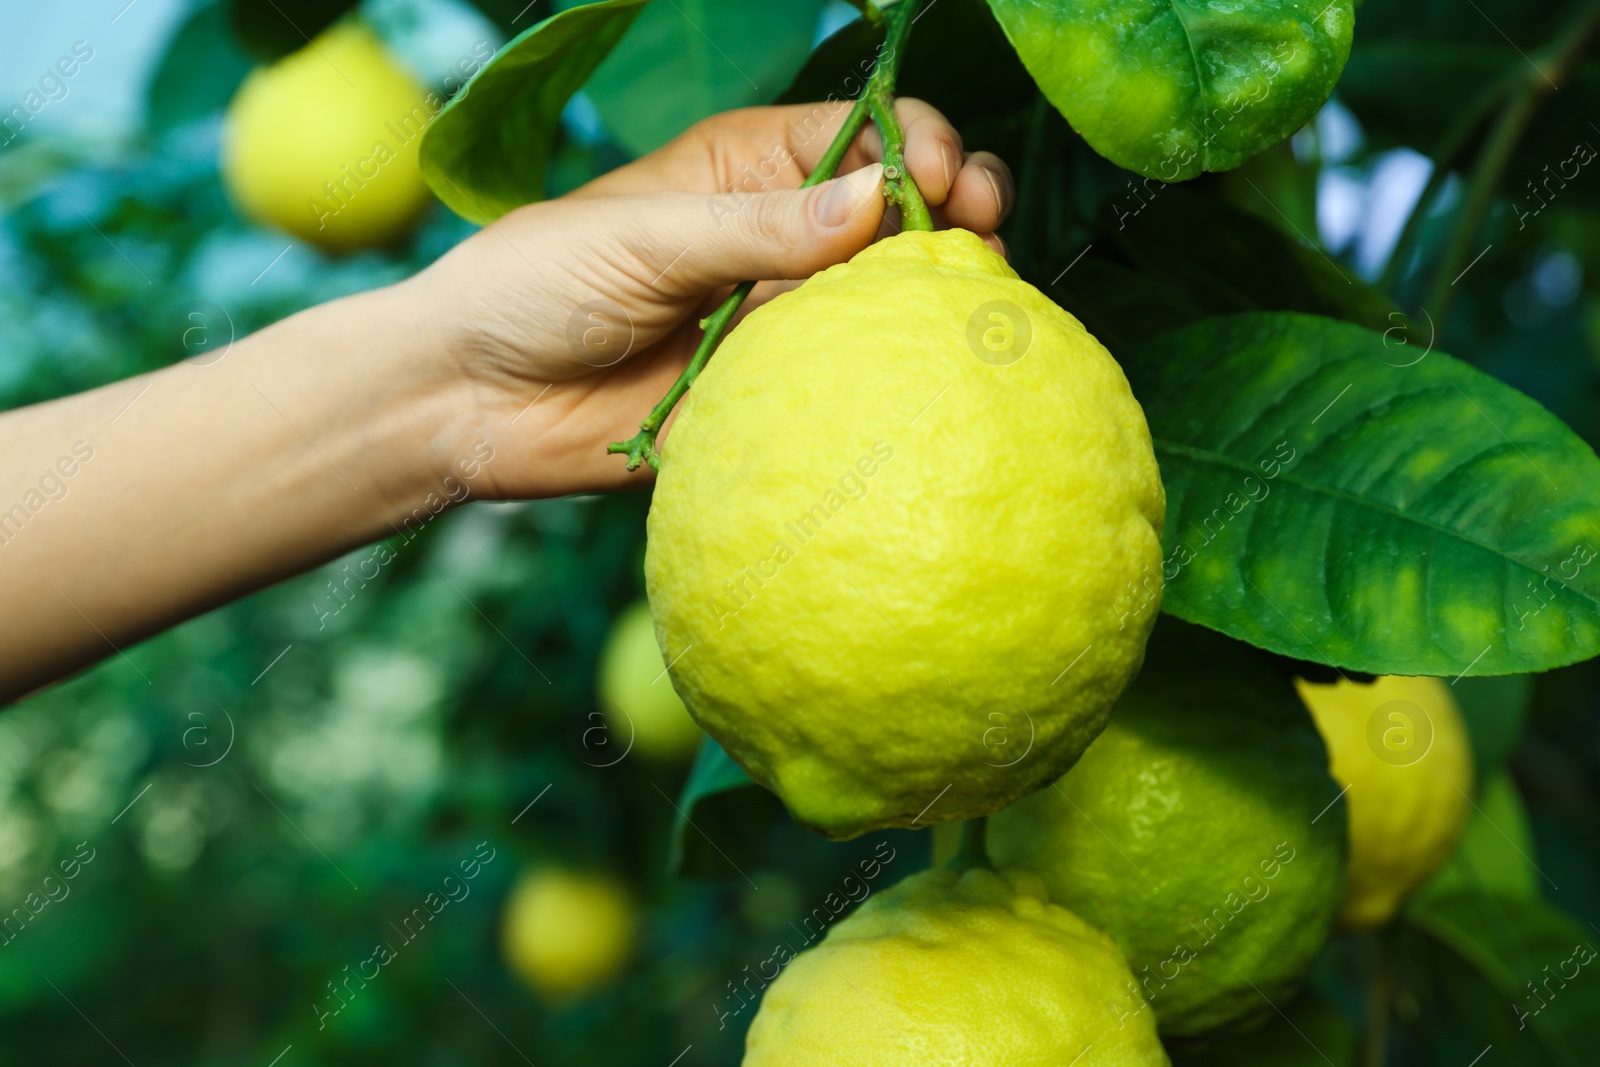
567, 320
501, 371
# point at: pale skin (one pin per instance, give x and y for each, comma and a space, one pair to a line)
328, 430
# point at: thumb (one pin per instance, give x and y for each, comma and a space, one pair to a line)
789, 233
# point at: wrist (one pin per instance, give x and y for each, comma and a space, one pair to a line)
400, 417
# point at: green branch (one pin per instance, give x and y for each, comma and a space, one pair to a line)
876, 100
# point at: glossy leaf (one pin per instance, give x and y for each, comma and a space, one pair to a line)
1171, 88
489, 149
1338, 496
1540, 965
687, 59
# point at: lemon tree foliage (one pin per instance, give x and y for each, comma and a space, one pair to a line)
1342, 496
1512, 972
1496, 850
489, 149
179, 91
1339, 491
1223, 259
1420, 76
723, 819
677, 65
1172, 88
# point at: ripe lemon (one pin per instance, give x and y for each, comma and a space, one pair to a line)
977, 969
1400, 747
1199, 829
893, 539
323, 143
638, 696
566, 933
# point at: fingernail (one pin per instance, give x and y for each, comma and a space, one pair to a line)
947, 158
998, 183
843, 197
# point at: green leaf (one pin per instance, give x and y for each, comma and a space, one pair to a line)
1337, 496
685, 60
724, 819
1540, 965
1496, 850
488, 150
1171, 88
273, 30
198, 74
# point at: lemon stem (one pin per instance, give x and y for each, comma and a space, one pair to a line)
876, 101
973, 851
898, 187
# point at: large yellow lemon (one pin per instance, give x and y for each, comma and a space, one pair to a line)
905, 549
323, 143
978, 969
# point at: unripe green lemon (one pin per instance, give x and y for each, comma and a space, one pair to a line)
977, 969
636, 693
323, 143
892, 537
565, 933
1200, 829
1400, 746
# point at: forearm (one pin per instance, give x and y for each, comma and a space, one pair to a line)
134, 506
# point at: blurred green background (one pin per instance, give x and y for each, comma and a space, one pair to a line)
263, 796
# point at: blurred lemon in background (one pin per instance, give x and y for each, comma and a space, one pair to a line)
1399, 747
566, 933
634, 688
323, 143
